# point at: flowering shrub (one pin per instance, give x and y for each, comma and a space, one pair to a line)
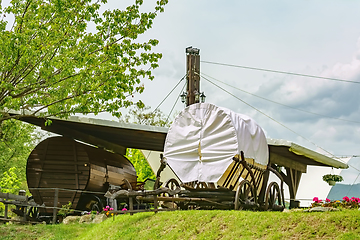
332, 177
107, 209
345, 203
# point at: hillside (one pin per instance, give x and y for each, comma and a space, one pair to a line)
202, 225
339, 191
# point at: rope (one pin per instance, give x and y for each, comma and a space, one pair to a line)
282, 72
296, 133
278, 102
167, 119
170, 93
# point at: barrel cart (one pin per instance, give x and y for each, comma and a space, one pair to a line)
221, 161
61, 170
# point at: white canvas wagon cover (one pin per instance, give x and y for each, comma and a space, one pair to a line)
204, 138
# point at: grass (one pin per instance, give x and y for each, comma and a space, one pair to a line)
202, 225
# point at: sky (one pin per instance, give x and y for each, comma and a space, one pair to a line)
320, 38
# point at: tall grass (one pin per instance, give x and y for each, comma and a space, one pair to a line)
202, 225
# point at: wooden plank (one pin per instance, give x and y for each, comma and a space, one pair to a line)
11, 196
78, 163
66, 186
286, 162
60, 183
85, 137
67, 158
62, 193
60, 176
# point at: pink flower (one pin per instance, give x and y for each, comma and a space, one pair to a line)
346, 199
327, 200
105, 209
316, 200
124, 209
111, 209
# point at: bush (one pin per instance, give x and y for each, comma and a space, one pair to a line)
348, 203
9, 183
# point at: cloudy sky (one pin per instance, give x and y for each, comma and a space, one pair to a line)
320, 38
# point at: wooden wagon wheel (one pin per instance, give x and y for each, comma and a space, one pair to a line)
273, 200
95, 204
172, 184
33, 213
245, 195
201, 185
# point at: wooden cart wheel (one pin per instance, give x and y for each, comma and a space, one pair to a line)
172, 184
201, 185
245, 196
273, 200
33, 213
95, 204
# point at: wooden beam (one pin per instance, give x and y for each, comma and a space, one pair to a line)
292, 179
74, 134
193, 75
287, 162
11, 196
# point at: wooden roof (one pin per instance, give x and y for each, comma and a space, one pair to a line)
118, 136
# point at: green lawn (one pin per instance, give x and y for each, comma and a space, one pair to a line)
202, 225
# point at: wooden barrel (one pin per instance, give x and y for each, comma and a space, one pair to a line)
60, 162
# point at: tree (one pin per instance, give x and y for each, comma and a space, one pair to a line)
142, 167
143, 115
51, 64
17, 140
9, 182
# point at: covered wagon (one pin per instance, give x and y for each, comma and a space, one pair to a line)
221, 158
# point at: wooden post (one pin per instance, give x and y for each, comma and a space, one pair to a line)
6, 206
131, 205
56, 198
292, 179
263, 187
193, 75
23, 208
155, 203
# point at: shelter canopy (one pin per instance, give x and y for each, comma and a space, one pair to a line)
118, 136
111, 135
294, 156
